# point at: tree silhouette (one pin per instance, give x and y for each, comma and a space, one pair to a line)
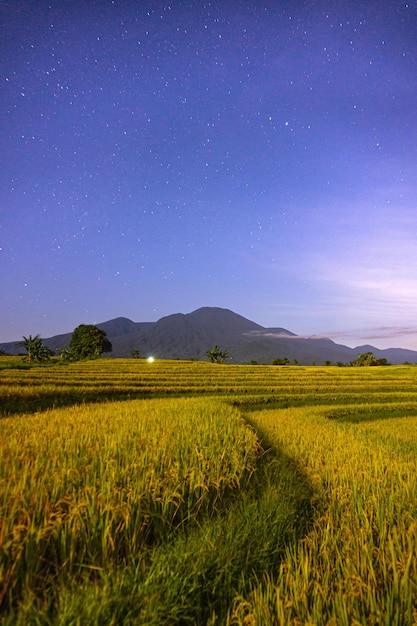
215, 355
88, 342
367, 359
280, 361
36, 350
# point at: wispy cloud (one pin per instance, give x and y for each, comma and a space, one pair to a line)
368, 334
282, 335
392, 331
351, 264
377, 275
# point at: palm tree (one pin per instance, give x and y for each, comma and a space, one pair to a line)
215, 355
65, 354
35, 349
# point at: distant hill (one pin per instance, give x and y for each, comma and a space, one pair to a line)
189, 336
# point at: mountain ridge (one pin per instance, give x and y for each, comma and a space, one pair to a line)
190, 335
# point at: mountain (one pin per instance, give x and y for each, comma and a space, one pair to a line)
189, 336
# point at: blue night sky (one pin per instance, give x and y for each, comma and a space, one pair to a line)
258, 156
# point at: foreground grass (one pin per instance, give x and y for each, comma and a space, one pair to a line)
357, 564
232, 495
133, 510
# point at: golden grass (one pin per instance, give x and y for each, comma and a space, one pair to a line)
86, 486
357, 565
39, 388
95, 485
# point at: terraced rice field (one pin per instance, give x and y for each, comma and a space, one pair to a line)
193, 493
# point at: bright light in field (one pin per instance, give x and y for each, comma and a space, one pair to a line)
151, 359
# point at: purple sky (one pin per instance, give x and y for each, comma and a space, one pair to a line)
258, 156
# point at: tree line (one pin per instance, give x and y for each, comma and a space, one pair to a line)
87, 342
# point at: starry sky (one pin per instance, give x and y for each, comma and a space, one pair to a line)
259, 156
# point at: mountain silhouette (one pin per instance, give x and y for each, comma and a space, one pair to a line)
189, 336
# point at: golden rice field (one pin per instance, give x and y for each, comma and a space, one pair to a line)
194, 493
